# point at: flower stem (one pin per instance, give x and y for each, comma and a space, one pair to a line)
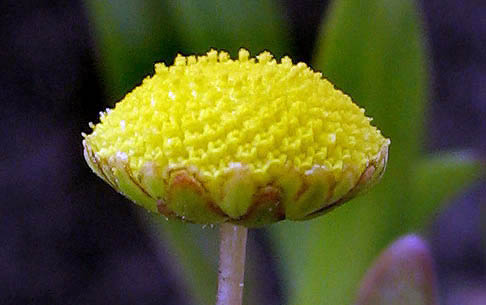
231, 272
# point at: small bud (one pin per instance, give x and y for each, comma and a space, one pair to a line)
403, 274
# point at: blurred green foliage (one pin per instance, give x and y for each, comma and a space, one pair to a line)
129, 36
374, 50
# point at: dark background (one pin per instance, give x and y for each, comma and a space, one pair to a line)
55, 244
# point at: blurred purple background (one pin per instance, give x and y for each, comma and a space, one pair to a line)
56, 246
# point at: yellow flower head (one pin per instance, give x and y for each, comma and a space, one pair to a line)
249, 141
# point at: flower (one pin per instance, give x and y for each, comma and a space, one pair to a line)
249, 141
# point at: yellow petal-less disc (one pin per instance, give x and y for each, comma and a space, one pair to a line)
249, 141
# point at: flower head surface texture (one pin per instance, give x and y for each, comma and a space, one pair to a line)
251, 141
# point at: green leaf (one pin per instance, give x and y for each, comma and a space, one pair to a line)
230, 25
129, 36
374, 51
436, 179
402, 275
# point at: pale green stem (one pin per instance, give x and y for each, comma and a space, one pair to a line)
231, 273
